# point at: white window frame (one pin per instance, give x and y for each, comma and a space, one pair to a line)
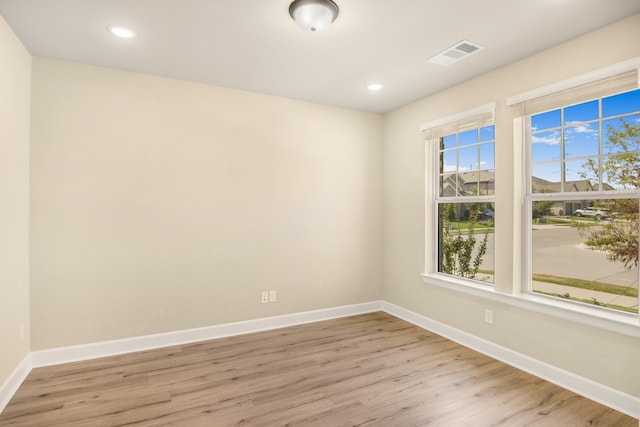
620, 323
602, 83
475, 118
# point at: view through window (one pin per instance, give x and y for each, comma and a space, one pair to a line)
583, 198
466, 188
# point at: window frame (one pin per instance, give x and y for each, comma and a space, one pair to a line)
531, 197
604, 82
472, 119
508, 290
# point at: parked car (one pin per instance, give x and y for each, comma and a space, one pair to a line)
597, 213
486, 214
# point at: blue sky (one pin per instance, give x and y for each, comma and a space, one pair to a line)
582, 137
462, 155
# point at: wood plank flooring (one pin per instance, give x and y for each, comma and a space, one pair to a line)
367, 370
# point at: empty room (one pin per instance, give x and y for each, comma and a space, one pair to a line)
317, 212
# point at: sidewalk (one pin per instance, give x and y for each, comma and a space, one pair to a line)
586, 294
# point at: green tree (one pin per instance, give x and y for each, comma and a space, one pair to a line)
542, 207
617, 235
458, 256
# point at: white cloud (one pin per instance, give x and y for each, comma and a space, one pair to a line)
549, 139
587, 132
590, 130
452, 168
581, 128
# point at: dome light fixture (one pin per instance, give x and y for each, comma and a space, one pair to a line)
313, 15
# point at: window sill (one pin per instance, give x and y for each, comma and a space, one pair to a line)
599, 318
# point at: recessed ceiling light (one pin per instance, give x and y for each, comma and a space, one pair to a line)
122, 31
374, 87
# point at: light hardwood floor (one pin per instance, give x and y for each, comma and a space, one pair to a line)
366, 370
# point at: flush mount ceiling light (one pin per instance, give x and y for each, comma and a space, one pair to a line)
313, 15
373, 87
122, 31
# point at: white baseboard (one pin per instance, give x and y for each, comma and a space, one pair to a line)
77, 353
608, 396
11, 385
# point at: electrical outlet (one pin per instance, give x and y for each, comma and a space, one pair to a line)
273, 296
264, 297
488, 316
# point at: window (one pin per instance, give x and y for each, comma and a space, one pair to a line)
582, 194
464, 187
575, 228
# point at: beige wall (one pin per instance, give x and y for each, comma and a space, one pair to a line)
160, 205
15, 76
607, 358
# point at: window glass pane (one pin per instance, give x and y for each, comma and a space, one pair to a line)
577, 178
487, 156
621, 172
581, 113
448, 185
449, 141
468, 182
548, 120
621, 134
487, 134
581, 140
546, 146
589, 170
465, 240
623, 103
468, 158
468, 137
466, 170
587, 251
546, 178
450, 161
487, 183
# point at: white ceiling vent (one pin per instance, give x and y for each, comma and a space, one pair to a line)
455, 53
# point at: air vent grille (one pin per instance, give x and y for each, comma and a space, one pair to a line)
455, 53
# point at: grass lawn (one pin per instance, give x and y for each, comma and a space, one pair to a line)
592, 302
587, 284
464, 226
584, 284
563, 220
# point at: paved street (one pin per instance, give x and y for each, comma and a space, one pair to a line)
559, 251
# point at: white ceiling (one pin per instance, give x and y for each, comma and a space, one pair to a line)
254, 45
